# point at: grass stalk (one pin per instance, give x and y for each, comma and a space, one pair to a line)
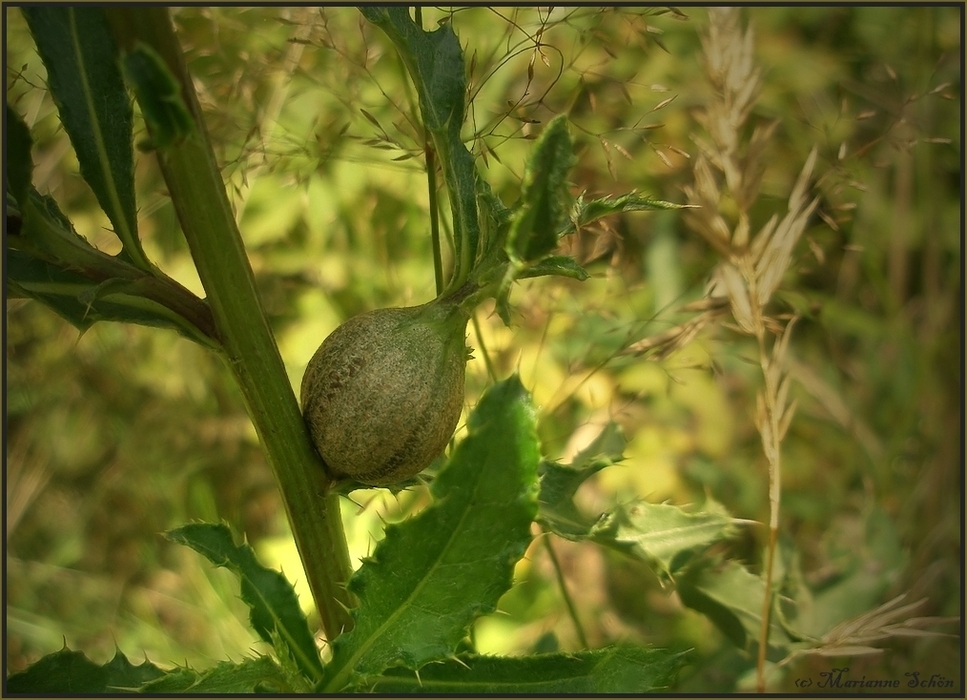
752, 267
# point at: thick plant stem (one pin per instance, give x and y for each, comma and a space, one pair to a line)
199, 197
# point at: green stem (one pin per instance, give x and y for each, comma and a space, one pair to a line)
434, 212
430, 156
419, 51
491, 371
198, 193
463, 207
572, 610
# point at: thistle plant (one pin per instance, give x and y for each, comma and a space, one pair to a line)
548, 163
404, 607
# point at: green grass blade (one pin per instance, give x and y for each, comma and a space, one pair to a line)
85, 81
274, 607
434, 574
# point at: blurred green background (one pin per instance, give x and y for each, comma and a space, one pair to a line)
118, 434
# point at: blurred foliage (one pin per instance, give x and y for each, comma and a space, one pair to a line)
123, 432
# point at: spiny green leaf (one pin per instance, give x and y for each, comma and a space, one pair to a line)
159, 95
79, 53
47, 207
559, 483
83, 302
47, 234
435, 63
123, 675
584, 212
663, 535
434, 574
48, 261
494, 218
731, 597
606, 449
259, 675
71, 672
560, 265
558, 512
274, 606
540, 212
621, 669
